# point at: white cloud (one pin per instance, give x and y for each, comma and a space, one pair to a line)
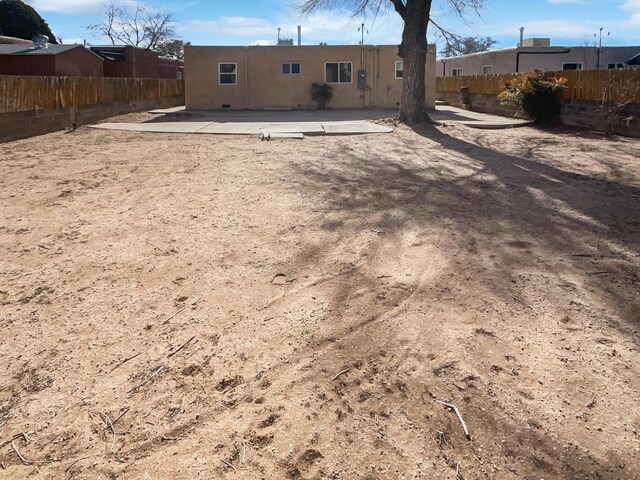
565, 1
633, 7
230, 26
326, 26
74, 7
547, 28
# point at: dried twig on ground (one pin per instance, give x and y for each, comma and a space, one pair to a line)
125, 361
154, 245
452, 407
179, 311
342, 372
74, 462
121, 415
229, 465
181, 347
107, 420
525, 304
22, 459
148, 379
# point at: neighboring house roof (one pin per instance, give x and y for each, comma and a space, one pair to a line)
27, 50
116, 53
534, 50
635, 60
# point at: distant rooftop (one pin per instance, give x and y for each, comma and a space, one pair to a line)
52, 49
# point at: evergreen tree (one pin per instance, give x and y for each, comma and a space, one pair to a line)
17, 19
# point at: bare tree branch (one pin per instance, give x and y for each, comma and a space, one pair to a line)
137, 27
416, 16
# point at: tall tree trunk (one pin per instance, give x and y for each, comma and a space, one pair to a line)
413, 52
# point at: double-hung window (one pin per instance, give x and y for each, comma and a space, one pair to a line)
487, 70
399, 68
228, 73
456, 72
291, 68
338, 72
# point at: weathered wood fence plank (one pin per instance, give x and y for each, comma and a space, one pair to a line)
612, 85
21, 94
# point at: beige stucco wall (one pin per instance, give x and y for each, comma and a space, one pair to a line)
260, 83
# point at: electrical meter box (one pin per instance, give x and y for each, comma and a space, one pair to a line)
362, 79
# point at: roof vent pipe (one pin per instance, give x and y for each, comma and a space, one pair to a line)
279, 29
299, 35
40, 41
521, 44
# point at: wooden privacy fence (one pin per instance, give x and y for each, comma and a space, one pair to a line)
20, 94
613, 85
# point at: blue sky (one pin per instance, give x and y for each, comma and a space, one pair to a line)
244, 22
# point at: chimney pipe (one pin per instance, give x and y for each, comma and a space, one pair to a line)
279, 35
299, 35
521, 44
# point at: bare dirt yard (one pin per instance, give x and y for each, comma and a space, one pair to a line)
193, 306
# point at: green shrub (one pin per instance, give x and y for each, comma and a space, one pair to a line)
321, 93
536, 93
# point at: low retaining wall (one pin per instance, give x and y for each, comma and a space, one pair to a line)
17, 125
577, 113
589, 114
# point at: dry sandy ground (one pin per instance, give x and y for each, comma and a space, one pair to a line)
218, 307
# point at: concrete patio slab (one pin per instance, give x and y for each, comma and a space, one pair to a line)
447, 113
306, 122
354, 128
156, 127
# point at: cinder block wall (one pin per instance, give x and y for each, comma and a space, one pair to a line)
14, 126
589, 114
577, 113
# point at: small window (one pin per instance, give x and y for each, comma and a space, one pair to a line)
613, 66
338, 72
487, 70
456, 72
572, 66
179, 75
399, 69
291, 68
227, 73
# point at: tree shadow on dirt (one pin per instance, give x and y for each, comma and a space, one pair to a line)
526, 213
573, 219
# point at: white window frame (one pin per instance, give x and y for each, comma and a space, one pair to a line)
401, 69
179, 75
291, 63
579, 69
222, 73
616, 65
456, 72
487, 66
338, 62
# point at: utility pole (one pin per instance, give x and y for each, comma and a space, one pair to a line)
599, 66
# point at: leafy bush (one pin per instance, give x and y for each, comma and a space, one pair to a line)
321, 93
537, 93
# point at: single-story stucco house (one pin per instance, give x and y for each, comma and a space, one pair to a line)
538, 55
265, 77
